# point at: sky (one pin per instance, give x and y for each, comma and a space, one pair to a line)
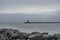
29, 6
34, 10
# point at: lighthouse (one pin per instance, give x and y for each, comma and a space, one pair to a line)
27, 21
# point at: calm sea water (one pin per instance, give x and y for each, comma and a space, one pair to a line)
52, 28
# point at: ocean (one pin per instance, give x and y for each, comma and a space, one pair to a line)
51, 28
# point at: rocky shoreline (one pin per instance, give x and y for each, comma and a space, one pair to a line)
13, 34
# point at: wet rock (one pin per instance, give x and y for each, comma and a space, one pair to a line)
35, 36
56, 36
10, 34
13, 34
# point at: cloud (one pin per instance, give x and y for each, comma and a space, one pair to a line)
28, 10
29, 6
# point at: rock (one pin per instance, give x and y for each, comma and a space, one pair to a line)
35, 36
13, 34
35, 33
10, 34
56, 36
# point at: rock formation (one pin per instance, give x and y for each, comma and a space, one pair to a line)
13, 34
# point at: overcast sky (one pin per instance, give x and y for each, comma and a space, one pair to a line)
29, 6
34, 10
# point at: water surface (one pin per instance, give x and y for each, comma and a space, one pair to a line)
41, 27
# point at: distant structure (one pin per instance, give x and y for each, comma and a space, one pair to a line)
39, 22
27, 21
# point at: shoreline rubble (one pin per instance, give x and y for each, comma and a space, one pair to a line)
13, 34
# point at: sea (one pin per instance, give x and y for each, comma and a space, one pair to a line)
51, 28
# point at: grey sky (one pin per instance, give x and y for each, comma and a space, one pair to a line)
54, 16
34, 10
29, 6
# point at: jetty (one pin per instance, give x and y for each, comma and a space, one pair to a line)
39, 22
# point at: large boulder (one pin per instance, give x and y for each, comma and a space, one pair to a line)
35, 36
45, 36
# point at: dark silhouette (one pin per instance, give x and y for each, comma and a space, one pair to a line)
27, 21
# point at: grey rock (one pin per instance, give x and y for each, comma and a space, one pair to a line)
13, 34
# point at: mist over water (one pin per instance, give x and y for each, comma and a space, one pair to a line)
21, 17
16, 21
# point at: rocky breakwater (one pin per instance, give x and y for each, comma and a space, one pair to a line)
10, 34
13, 34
